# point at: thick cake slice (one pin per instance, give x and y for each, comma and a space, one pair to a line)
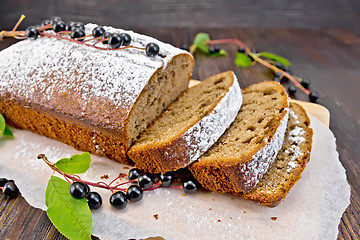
289, 163
189, 126
95, 100
245, 151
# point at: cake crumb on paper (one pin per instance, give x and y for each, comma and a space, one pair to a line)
156, 216
274, 218
105, 176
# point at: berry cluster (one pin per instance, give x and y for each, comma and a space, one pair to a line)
9, 188
134, 193
76, 31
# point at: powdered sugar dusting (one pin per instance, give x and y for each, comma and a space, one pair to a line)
253, 171
200, 137
55, 70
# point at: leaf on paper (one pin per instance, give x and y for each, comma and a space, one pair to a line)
74, 165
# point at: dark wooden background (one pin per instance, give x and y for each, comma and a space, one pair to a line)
321, 39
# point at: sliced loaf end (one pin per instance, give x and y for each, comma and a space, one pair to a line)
289, 164
245, 151
189, 126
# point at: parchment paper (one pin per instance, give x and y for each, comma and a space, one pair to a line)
312, 209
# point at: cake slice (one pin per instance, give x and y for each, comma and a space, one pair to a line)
289, 163
245, 151
95, 100
189, 126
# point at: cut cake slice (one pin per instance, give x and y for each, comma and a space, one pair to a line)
289, 164
243, 154
189, 126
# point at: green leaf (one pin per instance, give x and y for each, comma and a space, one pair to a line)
8, 133
275, 58
2, 125
199, 40
242, 60
219, 54
72, 217
74, 165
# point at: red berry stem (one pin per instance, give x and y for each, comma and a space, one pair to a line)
259, 60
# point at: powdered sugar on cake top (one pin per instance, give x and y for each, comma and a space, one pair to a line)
47, 69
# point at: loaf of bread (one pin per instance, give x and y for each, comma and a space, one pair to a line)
290, 162
189, 126
95, 100
245, 151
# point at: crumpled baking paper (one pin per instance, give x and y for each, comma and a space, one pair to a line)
312, 209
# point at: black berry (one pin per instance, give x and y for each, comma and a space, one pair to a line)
146, 180
134, 193
306, 83
279, 65
94, 200
45, 22
167, 179
217, 48
251, 58
118, 200
70, 25
55, 19
292, 90
126, 39
98, 31
278, 75
185, 47
276, 79
189, 186
105, 35
79, 25
115, 40
32, 33
78, 190
77, 33
152, 49
3, 181
287, 69
10, 190
241, 50
211, 49
314, 96
134, 173
59, 26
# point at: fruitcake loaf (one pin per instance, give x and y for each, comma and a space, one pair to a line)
290, 162
239, 159
189, 126
95, 100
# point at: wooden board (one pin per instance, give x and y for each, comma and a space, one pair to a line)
331, 59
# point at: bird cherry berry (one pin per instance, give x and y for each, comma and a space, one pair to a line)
314, 96
10, 189
134, 173
59, 26
292, 90
79, 190
77, 33
94, 200
106, 35
167, 179
115, 40
126, 39
189, 186
32, 33
3, 181
98, 31
70, 25
305, 83
152, 49
45, 22
134, 193
146, 180
79, 25
118, 200
55, 19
